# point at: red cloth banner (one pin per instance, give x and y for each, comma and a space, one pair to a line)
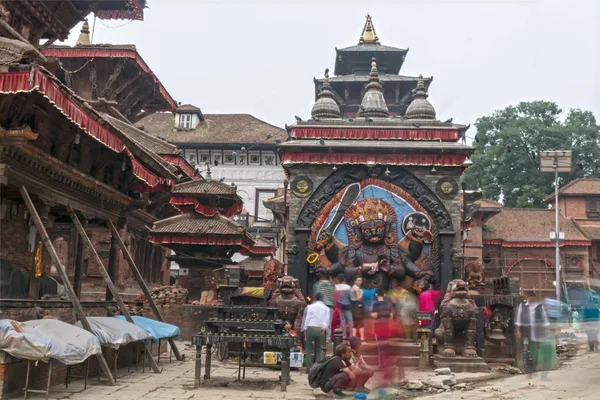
181, 162
201, 240
375, 134
247, 250
183, 202
375, 159
539, 244
113, 53
35, 80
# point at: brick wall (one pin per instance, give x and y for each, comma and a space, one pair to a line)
199, 279
14, 239
65, 314
575, 207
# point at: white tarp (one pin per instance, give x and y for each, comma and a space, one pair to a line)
45, 339
114, 333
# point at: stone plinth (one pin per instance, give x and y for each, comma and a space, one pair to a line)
460, 364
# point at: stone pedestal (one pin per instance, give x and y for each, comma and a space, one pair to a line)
460, 364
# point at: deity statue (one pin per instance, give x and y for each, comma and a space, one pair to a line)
458, 315
373, 249
289, 301
476, 274
271, 271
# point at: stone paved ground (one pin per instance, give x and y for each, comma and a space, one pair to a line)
579, 380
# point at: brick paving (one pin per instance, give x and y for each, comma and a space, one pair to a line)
579, 380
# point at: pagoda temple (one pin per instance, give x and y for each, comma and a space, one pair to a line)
352, 68
203, 236
374, 176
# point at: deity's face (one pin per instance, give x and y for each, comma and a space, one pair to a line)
302, 186
420, 231
372, 231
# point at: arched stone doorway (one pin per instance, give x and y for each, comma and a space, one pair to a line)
536, 275
395, 180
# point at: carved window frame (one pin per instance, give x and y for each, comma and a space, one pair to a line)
592, 208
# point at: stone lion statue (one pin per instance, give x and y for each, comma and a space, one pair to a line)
458, 314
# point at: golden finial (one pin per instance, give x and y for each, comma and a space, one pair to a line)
373, 65
84, 35
368, 34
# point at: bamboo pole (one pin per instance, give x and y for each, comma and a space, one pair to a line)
140, 280
109, 283
63, 274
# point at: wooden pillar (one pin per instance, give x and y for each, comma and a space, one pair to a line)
113, 257
448, 271
298, 267
79, 261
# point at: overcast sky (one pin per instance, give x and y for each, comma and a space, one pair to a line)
260, 57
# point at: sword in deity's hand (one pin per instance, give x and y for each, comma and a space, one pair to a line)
325, 239
348, 198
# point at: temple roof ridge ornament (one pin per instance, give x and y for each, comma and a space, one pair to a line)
368, 35
420, 107
326, 106
84, 35
373, 103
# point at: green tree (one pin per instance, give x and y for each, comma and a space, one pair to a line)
507, 147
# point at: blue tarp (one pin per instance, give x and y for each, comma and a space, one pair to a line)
158, 330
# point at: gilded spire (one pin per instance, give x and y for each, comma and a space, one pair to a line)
373, 103
368, 35
84, 35
420, 107
326, 106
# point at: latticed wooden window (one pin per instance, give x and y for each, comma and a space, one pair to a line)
593, 208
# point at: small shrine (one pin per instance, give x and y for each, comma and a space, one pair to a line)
204, 238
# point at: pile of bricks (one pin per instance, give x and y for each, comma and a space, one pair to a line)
167, 295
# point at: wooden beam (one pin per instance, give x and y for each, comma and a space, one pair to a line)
79, 260
109, 283
113, 77
140, 280
123, 86
113, 256
63, 274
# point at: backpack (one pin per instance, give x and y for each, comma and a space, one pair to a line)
315, 373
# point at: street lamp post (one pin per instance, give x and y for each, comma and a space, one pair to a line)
556, 161
286, 184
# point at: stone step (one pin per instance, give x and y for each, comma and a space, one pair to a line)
461, 364
404, 361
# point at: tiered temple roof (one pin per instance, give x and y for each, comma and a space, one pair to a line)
374, 137
205, 206
353, 70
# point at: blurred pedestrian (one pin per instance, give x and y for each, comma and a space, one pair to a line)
358, 309
362, 370
369, 298
543, 349
342, 290
314, 325
591, 317
326, 289
383, 326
